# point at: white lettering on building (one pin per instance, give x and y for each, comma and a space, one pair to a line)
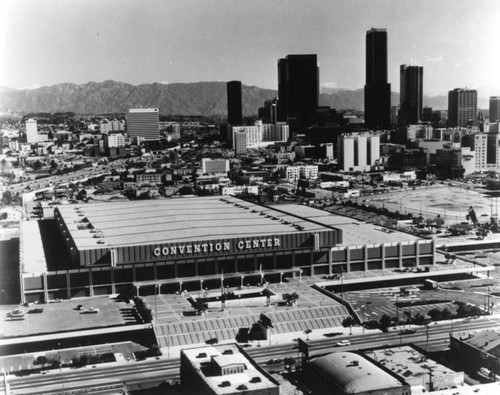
189, 249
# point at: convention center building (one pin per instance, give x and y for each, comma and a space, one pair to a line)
171, 245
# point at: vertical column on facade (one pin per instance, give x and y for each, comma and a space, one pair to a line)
176, 270
68, 284
155, 272
433, 247
91, 284
400, 254
311, 260
293, 263
196, 270
365, 256
45, 288
348, 259
216, 261
236, 266
417, 253
382, 254
330, 261
112, 275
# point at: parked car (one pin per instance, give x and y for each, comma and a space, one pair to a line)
343, 343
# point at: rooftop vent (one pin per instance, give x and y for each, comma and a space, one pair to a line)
227, 352
225, 384
242, 387
256, 379
202, 355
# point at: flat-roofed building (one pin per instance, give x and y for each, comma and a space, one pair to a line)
478, 349
214, 166
143, 123
347, 373
224, 369
104, 248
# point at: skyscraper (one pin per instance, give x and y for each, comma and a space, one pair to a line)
143, 123
377, 90
494, 108
234, 105
462, 106
298, 88
410, 94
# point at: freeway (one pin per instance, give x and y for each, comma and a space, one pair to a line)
153, 372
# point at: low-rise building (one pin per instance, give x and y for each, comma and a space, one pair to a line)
344, 373
224, 369
240, 190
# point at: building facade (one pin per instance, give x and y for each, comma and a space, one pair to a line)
358, 151
494, 108
298, 88
143, 123
214, 166
462, 107
377, 89
234, 103
410, 94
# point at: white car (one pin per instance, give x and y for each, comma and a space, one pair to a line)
343, 343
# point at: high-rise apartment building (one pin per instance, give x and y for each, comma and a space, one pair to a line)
462, 106
410, 94
377, 90
494, 108
143, 123
298, 88
358, 151
234, 103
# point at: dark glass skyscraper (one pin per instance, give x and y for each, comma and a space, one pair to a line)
377, 90
234, 105
410, 94
298, 88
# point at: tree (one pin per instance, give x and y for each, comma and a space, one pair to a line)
446, 314
307, 332
348, 322
435, 314
7, 198
385, 322
419, 319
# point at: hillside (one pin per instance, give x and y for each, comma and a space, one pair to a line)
199, 98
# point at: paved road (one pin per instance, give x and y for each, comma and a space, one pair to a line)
153, 372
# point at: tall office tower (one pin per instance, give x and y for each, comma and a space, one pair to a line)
271, 111
494, 108
298, 88
410, 94
462, 107
143, 123
377, 90
234, 105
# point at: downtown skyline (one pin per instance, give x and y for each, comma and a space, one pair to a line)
46, 43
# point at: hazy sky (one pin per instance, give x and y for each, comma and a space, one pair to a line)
44, 42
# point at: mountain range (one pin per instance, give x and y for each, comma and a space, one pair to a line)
198, 98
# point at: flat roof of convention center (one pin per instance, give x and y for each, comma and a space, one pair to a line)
354, 232
177, 220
